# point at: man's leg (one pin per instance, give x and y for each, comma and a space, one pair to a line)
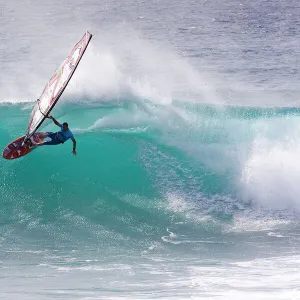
53, 141
39, 137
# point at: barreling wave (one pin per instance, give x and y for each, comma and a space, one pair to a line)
143, 169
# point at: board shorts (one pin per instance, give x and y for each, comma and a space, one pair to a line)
54, 139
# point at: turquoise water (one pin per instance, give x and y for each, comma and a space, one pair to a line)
186, 179
128, 179
154, 192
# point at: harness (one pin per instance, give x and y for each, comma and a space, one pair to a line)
57, 137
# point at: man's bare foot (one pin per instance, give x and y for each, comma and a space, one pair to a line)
29, 143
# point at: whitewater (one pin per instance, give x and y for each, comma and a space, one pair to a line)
186, 179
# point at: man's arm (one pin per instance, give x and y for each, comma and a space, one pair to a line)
74, 146
55, 121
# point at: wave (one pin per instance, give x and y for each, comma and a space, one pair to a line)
155, 172
160, 156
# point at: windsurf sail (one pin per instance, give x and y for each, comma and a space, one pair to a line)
56, 86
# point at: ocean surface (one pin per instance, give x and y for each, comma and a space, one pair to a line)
186, 181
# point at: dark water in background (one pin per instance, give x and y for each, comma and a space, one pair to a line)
186, 179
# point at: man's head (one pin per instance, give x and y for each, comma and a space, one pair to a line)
65, 126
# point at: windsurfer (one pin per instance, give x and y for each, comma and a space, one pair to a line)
56, 137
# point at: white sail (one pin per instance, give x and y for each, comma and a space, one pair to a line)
56, 85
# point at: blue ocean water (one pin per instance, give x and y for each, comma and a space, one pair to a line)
185, 185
